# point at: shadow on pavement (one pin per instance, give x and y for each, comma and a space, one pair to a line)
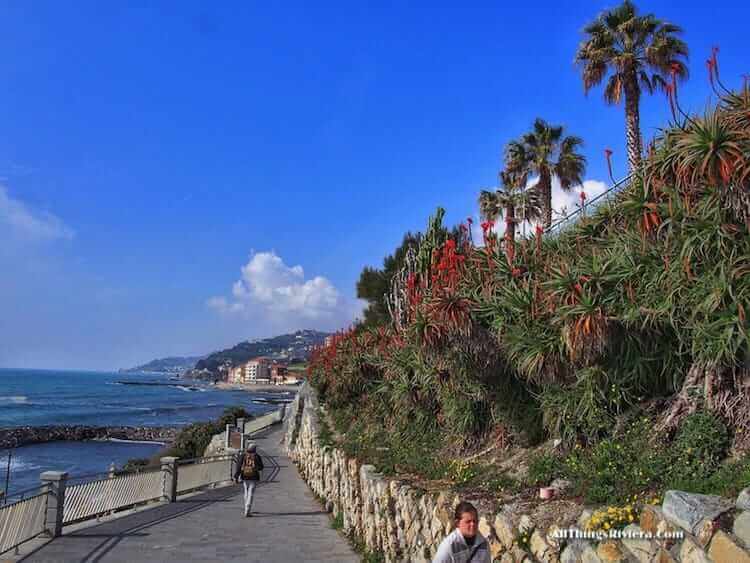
130, 526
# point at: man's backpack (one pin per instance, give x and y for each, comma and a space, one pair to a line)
249, 467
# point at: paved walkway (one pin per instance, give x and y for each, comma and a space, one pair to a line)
287, 525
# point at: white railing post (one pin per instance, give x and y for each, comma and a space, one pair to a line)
227, 435
55, 480
240, 423
169, 473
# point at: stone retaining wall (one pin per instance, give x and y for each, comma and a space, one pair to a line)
406, 525
25, 435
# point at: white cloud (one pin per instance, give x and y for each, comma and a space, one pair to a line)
28, 224
271, 289
564, 203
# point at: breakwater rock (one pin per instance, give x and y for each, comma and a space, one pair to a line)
25, 435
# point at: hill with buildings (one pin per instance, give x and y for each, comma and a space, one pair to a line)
288, 348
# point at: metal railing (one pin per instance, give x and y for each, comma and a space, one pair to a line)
23, 519
590, 206
102, 496
262, 422
202, 472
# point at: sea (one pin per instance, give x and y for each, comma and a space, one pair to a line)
30, 397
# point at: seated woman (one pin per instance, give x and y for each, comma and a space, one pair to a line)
464, 544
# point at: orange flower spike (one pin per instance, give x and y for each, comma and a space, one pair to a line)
715, 60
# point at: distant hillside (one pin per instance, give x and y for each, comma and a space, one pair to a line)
287, 347
168, 365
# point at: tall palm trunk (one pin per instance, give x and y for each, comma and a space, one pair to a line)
633, 123
545, 193
510, 221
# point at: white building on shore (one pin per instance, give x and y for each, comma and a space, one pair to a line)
257, 370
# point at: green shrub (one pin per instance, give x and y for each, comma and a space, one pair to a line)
496, 483
136, 464
461, 471
544, 467
619, 467
325, 435
577, 412
701, 444
728, 480
338, 521
193, 440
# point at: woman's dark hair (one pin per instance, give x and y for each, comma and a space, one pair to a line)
463, 508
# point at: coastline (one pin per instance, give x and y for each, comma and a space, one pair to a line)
264, 387
17, 436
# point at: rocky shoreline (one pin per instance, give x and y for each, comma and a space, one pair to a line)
26, 435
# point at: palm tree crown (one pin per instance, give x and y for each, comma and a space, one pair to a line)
546, 152
638, 52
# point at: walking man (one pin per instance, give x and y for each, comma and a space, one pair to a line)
248, 471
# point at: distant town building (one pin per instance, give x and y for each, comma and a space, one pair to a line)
278, 373
257, 370
235, 374
328, 340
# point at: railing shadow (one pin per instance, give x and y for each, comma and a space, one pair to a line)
134, 524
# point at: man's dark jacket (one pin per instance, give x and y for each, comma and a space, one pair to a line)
258, 467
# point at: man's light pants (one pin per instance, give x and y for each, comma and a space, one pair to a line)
249, 490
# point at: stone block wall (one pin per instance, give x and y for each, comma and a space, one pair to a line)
406, 525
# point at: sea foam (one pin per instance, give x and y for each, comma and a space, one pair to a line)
14, 399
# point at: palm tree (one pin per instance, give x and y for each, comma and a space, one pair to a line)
514, 201
545, 152
640, 52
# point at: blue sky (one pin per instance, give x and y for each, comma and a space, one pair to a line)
176, 177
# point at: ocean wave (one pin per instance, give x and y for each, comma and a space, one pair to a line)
15, 399
179, 408
17, 464
121, 441
126, 408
